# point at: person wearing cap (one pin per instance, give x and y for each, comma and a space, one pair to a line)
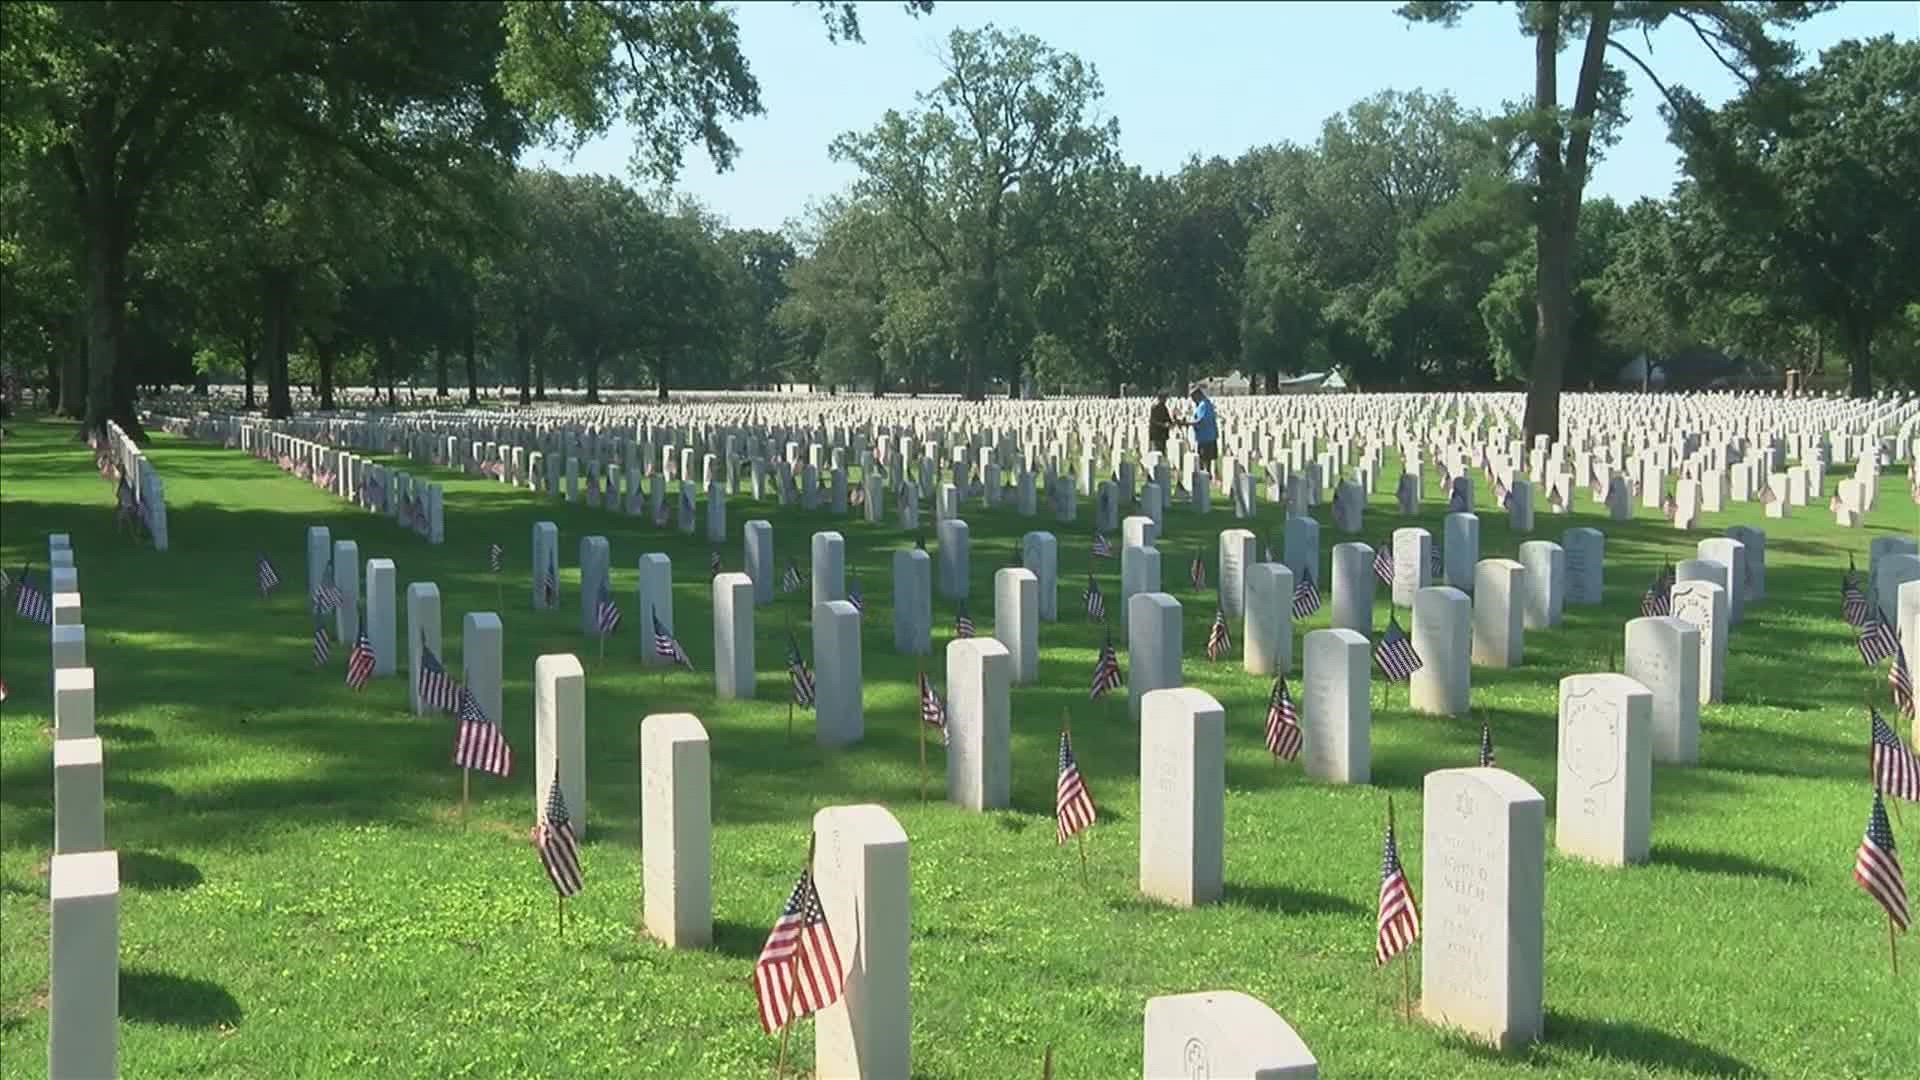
1159, 423
1206, 428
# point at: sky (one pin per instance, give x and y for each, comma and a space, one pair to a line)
1184, 79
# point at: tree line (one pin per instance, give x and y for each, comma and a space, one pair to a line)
322, 194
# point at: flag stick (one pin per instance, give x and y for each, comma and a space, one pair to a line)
466, 775
1406, 983
1893, 951
563, 915
780, 1060
1046, 1064
603, 645
1066, 729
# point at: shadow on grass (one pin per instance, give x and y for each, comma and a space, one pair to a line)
158, 873
1287, 900
1640, 1045
176, 1000
122, 734
1721, 862
738, 940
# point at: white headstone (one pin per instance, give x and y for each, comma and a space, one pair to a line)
758, 542
73, 703
1266, 638
560, 735
1336, 707
1352, 582
837, 713
1016, 620
655, 601
380, 615
1443, 636
346, 578
733, 656
829, 567
79, 796
1546, 583
676, 828
83, 947
1153, 646
861, 870
912, 602
979, 725
954, 548
1604, 776
1182, 796
423, 631
1223, 1034
1499, 630
1586, 551
1663, 655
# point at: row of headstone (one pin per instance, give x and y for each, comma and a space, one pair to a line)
83, 874
148, 490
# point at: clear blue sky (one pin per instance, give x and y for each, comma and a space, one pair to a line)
1183, 79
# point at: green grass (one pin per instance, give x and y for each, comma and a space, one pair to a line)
301, 899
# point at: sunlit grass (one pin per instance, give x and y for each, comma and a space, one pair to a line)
304, 899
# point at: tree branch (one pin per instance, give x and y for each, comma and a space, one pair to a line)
1687, 17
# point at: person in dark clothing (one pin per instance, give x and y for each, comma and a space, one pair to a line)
1159, 424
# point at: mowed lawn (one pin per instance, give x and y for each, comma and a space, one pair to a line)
301, 898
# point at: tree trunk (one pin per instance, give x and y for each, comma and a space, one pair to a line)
523, 361
73, 379
1859, 360
467, 346
593, 377
1552, 248
326, 355
276, 319
440, 371
660, 370
539, 378
109, 387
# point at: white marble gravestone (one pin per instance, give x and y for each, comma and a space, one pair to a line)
1336, 706
1443, 637
73, 703
1499, 630
560, 735
346, 578
319, 556
979, 725
1016, 620
68, 647
546, 558
1412, 564
423, 631
758, 542
481, 648
83, 965
1461, 553
955, 544
1221, 1034
1603, 808
1237, 548
829, 567
1483, 931
1266, 638
676, 829
1153, 646
79, 795
1704, 605
1544, 597
1182, 796
1732, 554
1585, 553
912, 602
733, 654
861, 869
837, 713
380, 615
1040, 553
1663, 655
595, 568
1352, 580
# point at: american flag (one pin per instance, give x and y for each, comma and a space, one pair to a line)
1834, 504
962, 623
326, 597
268, 578
1072, 805
1853, 599
791, 580
797, 673
1106, 669
1197, 572
1101, 548
933, 711
1895, 769
1502, 495
1877, 866
798, 970
853, 595
322, 644
1876, 640
1486, 746
360, 661
606, 613
494, 553
1395, 653
668, 646
1436, 563
1767, 496
553, 838
550, 583
1900, 681
1658, 599
1219, 642
1556, 500
1096, 600
1669, 506
32, 603
1306, 598
480, 743
1284, 736
1383, 564
1398, 923
437, 688
713, 562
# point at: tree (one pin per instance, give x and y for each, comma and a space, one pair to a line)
762, 260
977, 174
1816, 174
1740, 37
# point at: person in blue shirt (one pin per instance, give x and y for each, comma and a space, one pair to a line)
1206, 428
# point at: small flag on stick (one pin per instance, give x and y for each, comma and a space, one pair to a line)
553, 838
1072, 804
264, 573
1284, 737
1398, 923
798, 970
1876, 866
1219, 641
1106, 669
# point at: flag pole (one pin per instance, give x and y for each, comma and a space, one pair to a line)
1046, 1064
1406, 962
1066, 729
1893, 952
921, 726
466, 775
